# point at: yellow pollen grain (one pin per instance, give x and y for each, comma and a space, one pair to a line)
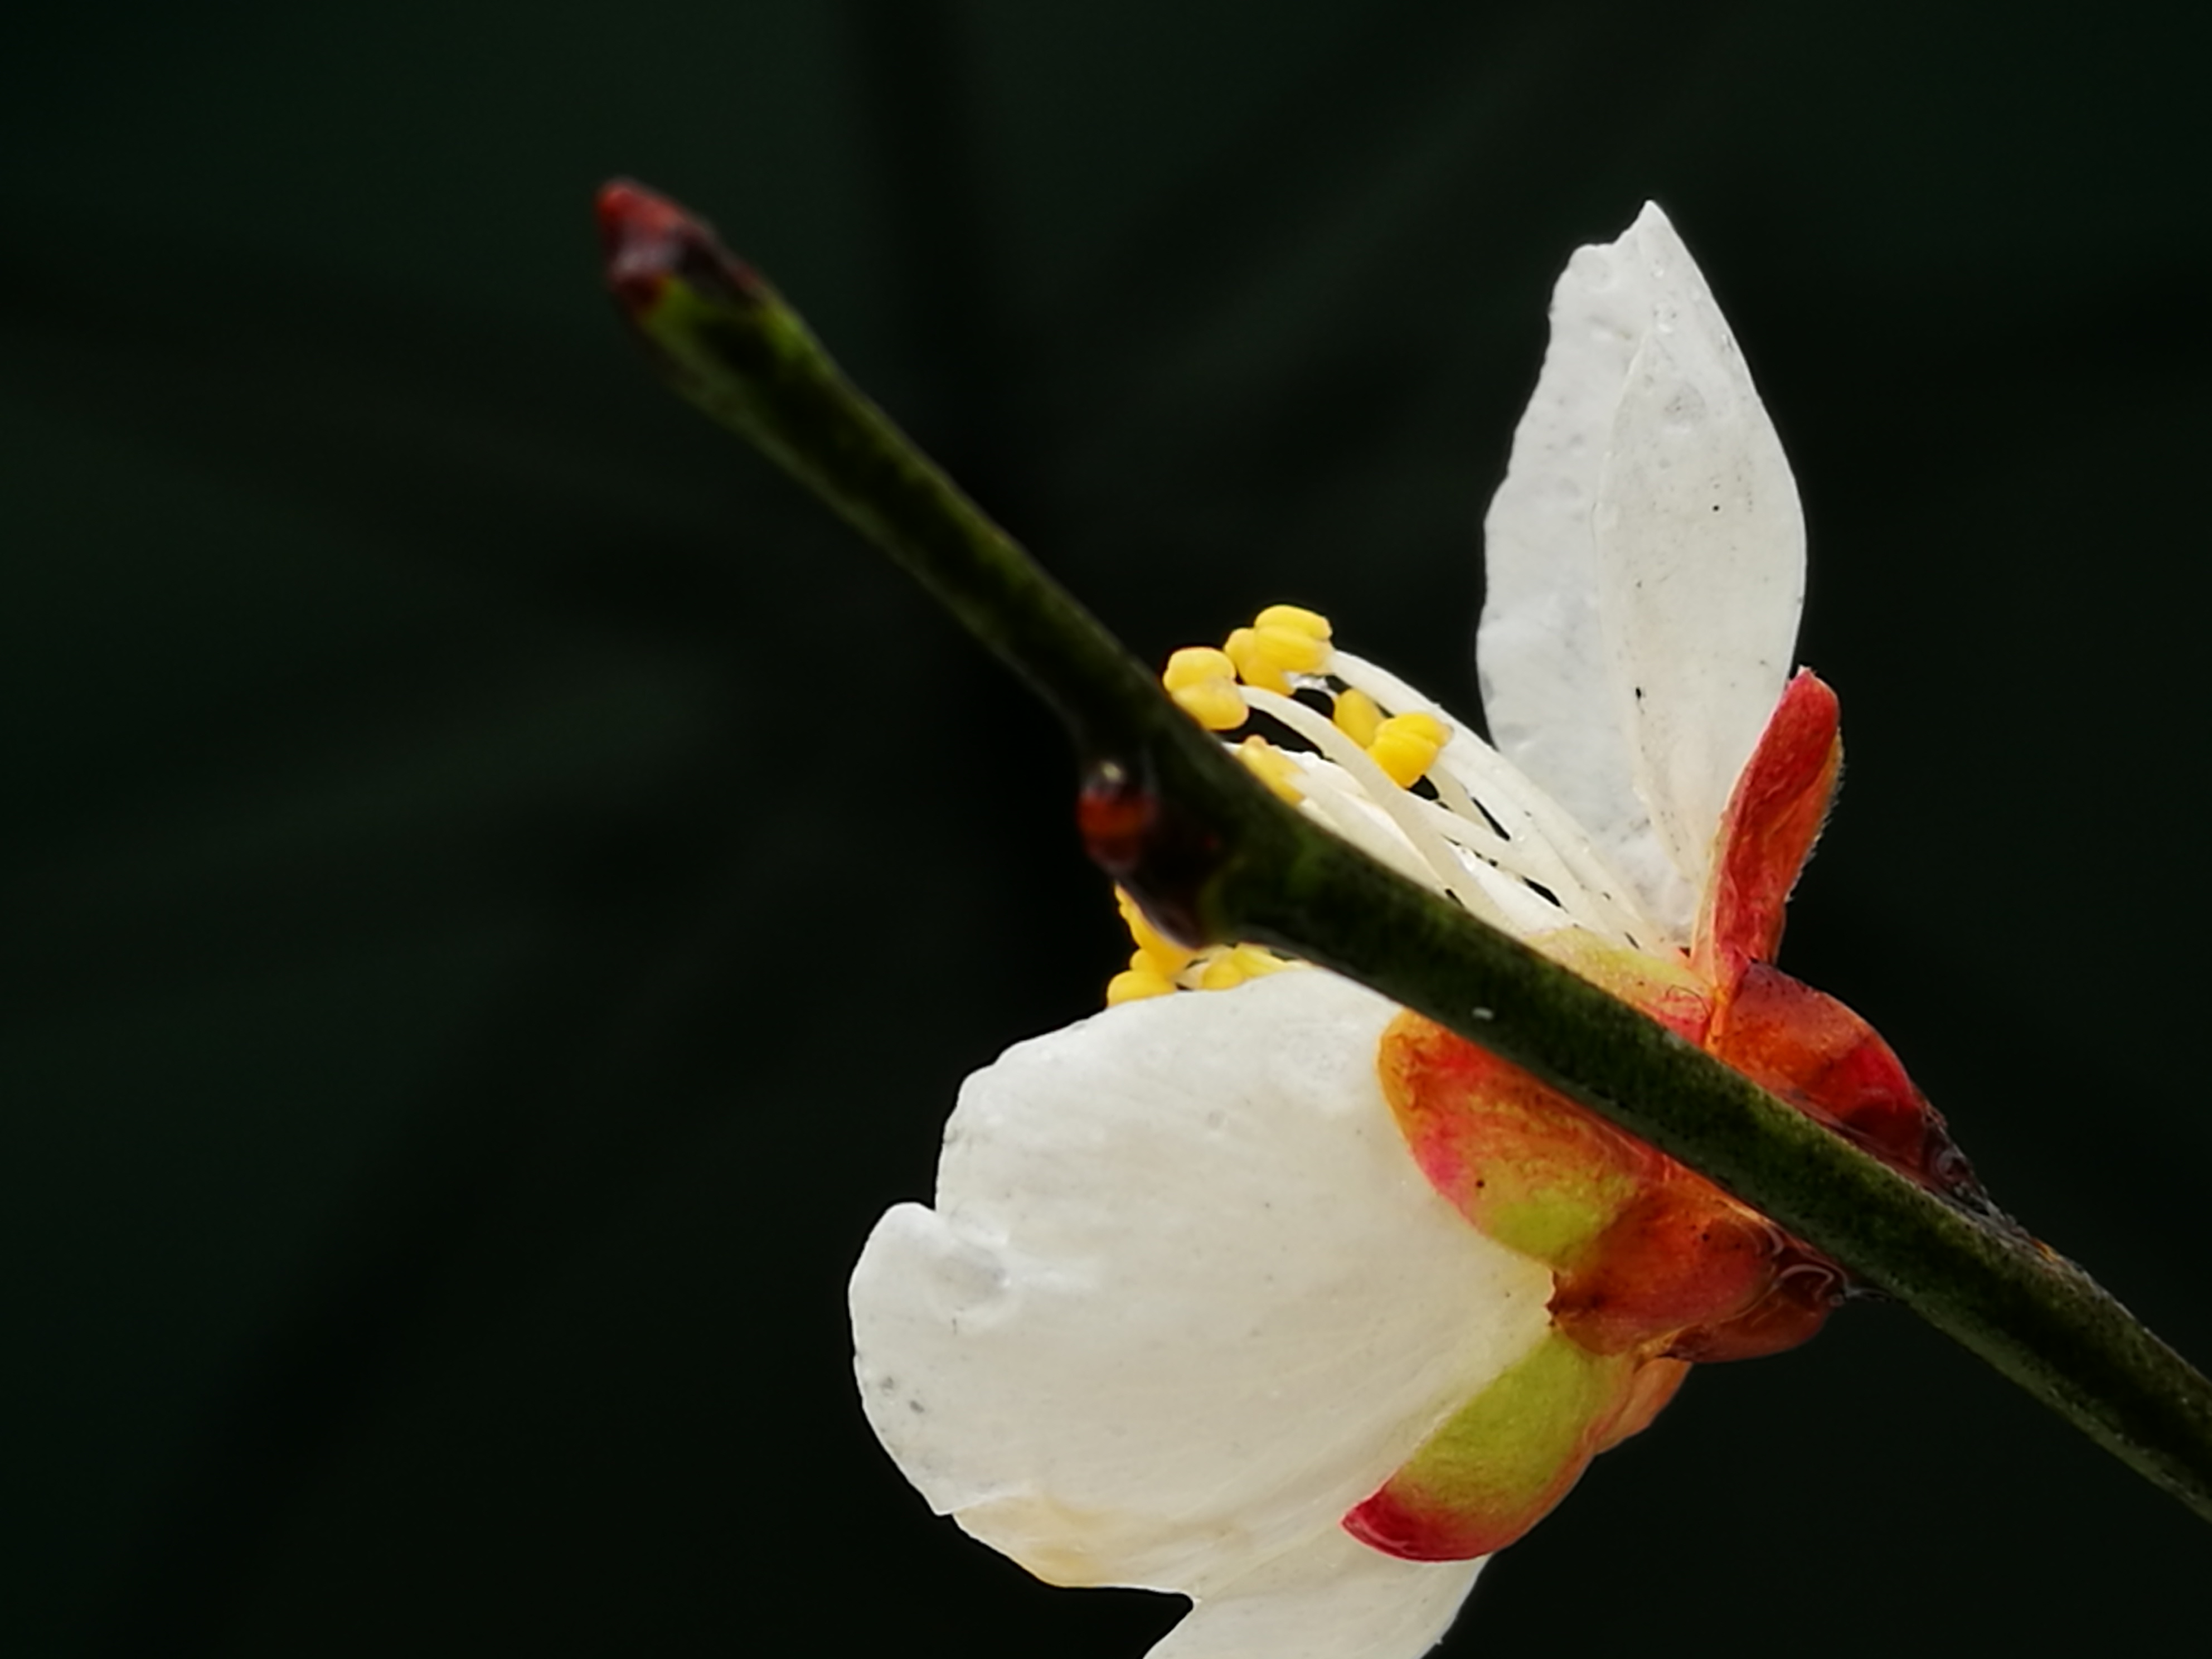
1203, 683
1226, 967
1291, 649
1272, 768
1297, 619
1406, 746
1222, 973
1214, 704
1134, 986
1257, 961
1196, 664
1254, 664
1156, 953
1356, 716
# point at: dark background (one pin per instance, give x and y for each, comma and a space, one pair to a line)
501, 892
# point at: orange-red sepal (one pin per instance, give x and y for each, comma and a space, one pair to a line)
1803, 1290
1649, 1257
1522, 1162
1816, 1053
1499, 1464
1682, 1255
1774, 815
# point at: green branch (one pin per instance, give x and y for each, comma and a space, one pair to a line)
1215, 857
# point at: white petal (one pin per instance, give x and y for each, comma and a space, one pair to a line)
1540, 652
1701, 556
1331, 1598
1611, 573
1185, 1299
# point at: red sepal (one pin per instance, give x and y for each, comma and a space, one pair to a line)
1823, 1059
1774, 815
1682, 1254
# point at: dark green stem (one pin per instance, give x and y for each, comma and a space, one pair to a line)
1215, 857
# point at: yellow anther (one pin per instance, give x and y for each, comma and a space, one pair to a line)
1156, 954
1226, 967
1165, 961
1134, 986
1194, 664
1283, 640
1296, 618
1223, 973
1272, 768
1213, 704
1257, 961
1203, 683
1356, 716
1406, 746
1255, 666
1291, 649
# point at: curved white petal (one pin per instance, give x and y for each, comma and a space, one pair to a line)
1331, 1598
1539, 651
1701, 555
1645, 567
1185, 1299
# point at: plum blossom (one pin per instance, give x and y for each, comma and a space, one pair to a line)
1256, 1288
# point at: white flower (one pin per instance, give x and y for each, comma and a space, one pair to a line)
1186, 1300
1198, 1285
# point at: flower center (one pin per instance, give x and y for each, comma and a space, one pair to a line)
1653, 1266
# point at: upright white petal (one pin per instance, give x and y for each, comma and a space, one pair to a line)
1185, 1299
1331, 1598
1545, 674
1645, 559
1701, 556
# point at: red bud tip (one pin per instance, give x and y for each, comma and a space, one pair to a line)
648, 239
626, 210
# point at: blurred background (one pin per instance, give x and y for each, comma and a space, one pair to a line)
501, 892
